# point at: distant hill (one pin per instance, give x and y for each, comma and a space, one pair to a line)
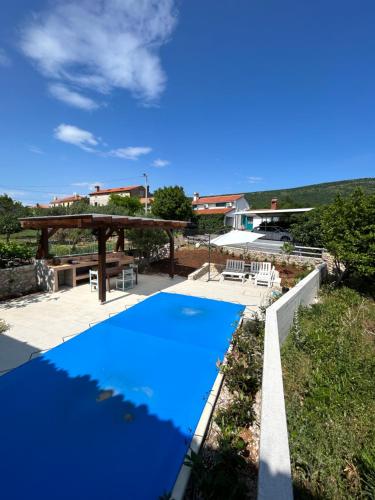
309, 196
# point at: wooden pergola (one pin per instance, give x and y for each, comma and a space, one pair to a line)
103, 227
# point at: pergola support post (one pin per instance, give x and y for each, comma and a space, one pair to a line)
102, 264
120, 243
42, 250
171, 252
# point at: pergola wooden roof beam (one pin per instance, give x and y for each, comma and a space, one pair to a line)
103, 226
93, 221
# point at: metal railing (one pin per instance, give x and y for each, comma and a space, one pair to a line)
308, 251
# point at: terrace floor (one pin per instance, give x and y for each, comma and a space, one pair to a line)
41, 321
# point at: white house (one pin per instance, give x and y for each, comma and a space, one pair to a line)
100, 197
250, 219
226, 204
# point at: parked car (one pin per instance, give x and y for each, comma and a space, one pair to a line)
273, 233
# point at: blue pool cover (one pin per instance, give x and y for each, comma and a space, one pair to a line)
110, 414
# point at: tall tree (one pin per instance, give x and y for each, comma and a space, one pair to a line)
349, 233
171, 203
306, 228
10, 211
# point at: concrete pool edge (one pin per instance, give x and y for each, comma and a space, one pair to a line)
183, 477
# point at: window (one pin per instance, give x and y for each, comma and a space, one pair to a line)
221, 204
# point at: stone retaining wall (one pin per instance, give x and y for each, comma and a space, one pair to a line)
17, 281
275, 258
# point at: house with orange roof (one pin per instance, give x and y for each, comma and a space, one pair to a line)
101, 197
225, 204
66, 201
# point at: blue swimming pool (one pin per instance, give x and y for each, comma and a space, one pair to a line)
110, 414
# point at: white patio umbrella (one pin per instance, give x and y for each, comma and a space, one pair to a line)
236, 237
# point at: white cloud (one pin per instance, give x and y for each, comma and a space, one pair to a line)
76, 136
89, 142
159, 163
36, 150
253, 179
64, 94
4, 59
102, 46
131, 152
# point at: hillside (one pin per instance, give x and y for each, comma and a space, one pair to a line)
309, 196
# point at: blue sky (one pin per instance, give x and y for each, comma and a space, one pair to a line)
217, 96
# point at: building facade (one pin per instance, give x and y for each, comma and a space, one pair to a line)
67, 201
251, 219
100, 197
227, 204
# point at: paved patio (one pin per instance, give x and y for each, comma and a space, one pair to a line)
41, 321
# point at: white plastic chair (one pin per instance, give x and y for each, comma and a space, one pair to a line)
126, 280
93, 275
266, 278
259, 267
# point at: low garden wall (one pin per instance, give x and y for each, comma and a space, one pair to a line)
275, 258
17, 281
275, 479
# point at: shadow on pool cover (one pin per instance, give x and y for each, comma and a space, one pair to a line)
110, 413
45, 414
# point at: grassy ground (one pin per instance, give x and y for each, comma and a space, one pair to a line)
329, 369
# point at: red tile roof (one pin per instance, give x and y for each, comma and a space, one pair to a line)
76, 197
209, 211
217, 199
115, 190
40, 205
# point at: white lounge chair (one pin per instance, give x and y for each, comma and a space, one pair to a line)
266, 278
257, 267
235, 269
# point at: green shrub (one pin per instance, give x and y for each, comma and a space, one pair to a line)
11, 251
223, 474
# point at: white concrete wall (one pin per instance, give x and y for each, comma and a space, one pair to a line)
275, 479
257, 221
242, 204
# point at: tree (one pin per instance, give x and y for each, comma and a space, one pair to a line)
10, 211
171, 203
306, 228
348, 227
130, 204
146, 241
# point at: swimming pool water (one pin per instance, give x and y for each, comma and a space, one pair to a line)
110, 413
